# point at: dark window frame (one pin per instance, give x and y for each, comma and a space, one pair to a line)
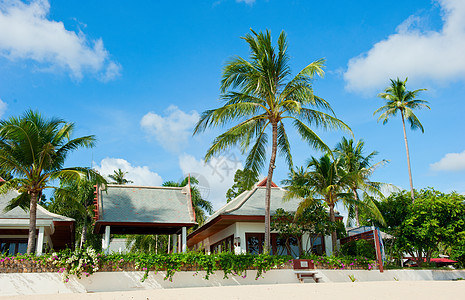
15, 241
223, 243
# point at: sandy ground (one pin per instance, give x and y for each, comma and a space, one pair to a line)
357, 290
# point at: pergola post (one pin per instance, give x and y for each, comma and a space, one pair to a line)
40, 241
175, 243
184, 239
106, 240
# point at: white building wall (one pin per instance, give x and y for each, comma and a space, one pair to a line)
239, 229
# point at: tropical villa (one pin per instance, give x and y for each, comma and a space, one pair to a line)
53, 231
239, 226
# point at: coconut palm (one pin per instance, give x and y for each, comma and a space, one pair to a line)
399, 99
201, 206
33, 149
259, 95
77, 198
118, 177
324, 180
361, 168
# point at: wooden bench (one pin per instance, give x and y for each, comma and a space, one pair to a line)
302, 275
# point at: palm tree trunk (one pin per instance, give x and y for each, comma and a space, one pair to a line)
83, 233
357, 219
408, 159
266, 247
332, 218
31, 240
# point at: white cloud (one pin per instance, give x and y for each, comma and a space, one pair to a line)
3, 107
140, 175
173, 129
249, 2
27, 33
414, 53
215, 177
450, 162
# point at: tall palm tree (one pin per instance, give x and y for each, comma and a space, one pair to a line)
33, 149
399, 99
118, 177
324, 180
361, 168
201, 206
77, 198
259, 94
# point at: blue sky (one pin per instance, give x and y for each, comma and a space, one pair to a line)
137, 75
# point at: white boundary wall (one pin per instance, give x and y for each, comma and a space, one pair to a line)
52, 283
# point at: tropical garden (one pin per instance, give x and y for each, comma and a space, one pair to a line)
261, 102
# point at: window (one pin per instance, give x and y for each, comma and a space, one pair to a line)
318, 246
255, 242
225, 245
280, 246
13, 246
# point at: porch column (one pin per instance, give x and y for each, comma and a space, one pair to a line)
175, 242
106, 240
179, 243
184, 239
40, 241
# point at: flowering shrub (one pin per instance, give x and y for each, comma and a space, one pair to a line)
88, 261
78, 262
229, 263
341, 262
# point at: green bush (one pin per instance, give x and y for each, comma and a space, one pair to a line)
360, 248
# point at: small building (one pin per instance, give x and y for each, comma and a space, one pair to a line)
239, 226
126, 209
53, 231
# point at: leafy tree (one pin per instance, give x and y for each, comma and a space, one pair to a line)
433, 222
259, 94
399, 99
244, 180
434, 219
361, 168
394, 210
75, 199
201, 206
33, 149
118, 177
324, 180
313, 220
361, 248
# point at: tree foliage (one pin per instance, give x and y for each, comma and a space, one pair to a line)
360, 168
400, 100
314, 221
75, 199
33, 149
118, 177
324, 181
421, 229
244, 180
259, 94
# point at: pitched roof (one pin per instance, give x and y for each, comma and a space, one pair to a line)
247, 207
19, 213
252, 203
145, 204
